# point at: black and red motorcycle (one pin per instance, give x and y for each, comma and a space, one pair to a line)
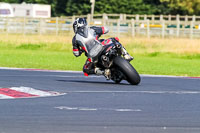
109, 58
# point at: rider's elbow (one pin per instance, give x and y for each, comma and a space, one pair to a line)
76, 53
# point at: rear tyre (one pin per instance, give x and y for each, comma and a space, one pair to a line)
128, 70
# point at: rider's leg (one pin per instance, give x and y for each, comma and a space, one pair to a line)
126, 55
124, 52
89, 68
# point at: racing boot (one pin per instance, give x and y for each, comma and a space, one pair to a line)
126, 55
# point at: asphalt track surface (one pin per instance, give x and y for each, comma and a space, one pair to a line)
94, 105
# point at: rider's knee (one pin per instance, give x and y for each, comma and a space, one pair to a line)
88, 68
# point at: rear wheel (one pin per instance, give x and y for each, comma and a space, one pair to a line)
128, 70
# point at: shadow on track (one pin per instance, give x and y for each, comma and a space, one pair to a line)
92, 82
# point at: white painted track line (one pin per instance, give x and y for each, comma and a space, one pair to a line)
147, 92
97, 109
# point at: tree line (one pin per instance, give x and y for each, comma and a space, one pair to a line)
79, 7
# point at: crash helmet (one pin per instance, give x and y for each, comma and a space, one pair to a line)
79, 23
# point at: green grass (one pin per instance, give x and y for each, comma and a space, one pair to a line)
40, 57
170, 56
167, 65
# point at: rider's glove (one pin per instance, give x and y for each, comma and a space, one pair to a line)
77, 52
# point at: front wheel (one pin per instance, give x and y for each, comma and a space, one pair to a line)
128, 70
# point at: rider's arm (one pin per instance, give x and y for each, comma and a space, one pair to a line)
76, 50
100, 30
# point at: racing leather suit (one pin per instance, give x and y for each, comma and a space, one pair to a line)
86, 40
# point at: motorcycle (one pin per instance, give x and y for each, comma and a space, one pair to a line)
110, 59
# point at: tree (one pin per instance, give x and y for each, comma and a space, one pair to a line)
78, 7
60, 8
11, 1
122, 6
183, 7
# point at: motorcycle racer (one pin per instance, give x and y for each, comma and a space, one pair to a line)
86, 39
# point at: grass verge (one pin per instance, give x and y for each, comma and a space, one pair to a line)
63, 60
152, 56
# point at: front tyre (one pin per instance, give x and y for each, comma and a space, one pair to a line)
128, 70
